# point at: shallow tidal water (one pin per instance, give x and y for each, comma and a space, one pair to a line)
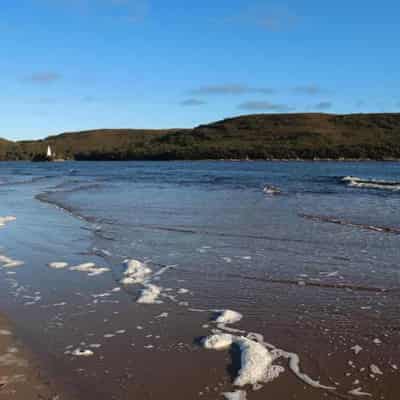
313, 268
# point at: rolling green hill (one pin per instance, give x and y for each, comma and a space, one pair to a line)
262, 136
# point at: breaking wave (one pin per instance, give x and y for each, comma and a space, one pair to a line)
354, 181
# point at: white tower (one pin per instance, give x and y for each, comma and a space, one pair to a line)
49, 153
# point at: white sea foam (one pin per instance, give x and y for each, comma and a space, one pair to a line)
228, 317
135, 272
101, 295
255, 363
257, 356
5, 220
58, 265
256, 360
82, 353
357, 349
90, 268
359, 392
5, 332
8, 262
375, 369
294, 365
271, 190
218, 341
150, 294
62, 304
237, 395
354, 181
183, 291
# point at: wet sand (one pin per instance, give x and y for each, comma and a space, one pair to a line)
140, 352
21, 376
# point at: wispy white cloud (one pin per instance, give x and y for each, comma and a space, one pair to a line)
43, 78
310, 89
323, 105
192, 102
230, 89
264, 106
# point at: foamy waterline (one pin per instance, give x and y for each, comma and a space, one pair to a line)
6, 220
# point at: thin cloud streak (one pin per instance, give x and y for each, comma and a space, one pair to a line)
230, 89
264, 106
323, 105
192, 102
43, 77
311, 90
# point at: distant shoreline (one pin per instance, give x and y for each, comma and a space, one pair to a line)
309, 137
231, 160
344, 160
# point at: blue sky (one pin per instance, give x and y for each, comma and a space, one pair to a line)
81, 64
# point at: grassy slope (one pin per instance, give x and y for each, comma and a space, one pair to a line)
6, 147
257, 136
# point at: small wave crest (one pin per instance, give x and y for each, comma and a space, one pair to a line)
354, 181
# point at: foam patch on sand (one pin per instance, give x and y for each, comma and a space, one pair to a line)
82, 353
294, 365
139, 273
90, 268
255, 362
237, 395
359, 392
357, 349
257, 357
150, 294
136, 272
8, 262
375, 369
5, 220
218, 341
228, 317
58, 265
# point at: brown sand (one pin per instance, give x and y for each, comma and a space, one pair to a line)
21, 378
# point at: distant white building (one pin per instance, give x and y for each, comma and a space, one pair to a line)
49, 152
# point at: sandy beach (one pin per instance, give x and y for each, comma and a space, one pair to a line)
135, 283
